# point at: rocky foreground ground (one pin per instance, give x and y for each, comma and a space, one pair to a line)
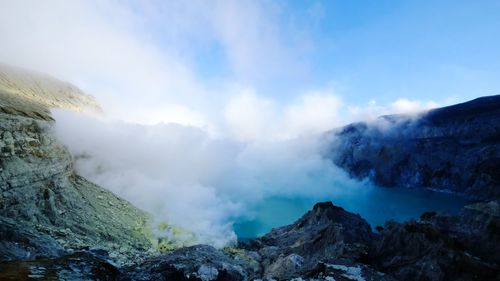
56, 225
327, 243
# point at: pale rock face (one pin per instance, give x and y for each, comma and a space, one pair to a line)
285, 266
46, 209
32, 94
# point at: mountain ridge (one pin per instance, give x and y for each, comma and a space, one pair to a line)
450, 149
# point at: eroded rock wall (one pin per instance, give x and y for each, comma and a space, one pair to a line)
42, 196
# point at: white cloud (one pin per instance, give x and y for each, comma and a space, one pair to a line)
411, 106
315, 112
251, 117
140, 59
97, 46
256, 45
372, 110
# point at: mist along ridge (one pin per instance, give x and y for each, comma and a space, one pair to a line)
56, 225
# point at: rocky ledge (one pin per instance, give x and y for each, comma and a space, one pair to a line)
452, 149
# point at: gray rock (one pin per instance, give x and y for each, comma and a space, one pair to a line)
325, 235
20, 241
76, 266
477, 228
285, 266
201, 262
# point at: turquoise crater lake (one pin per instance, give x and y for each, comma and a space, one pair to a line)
377, 206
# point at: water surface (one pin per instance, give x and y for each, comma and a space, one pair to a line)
376, 206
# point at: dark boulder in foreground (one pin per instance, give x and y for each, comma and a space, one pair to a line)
442, 247
199, 262
454, 149
87, 265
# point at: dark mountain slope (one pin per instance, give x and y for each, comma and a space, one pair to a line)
454, 149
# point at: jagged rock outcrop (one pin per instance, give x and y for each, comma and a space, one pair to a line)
327, 243
442, 247
454, 149
477, 228
46, 209
325, 234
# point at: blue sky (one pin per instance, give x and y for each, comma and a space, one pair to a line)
389, 49
233, 66
415, 49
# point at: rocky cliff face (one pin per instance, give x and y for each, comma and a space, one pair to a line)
46, 209
453, 149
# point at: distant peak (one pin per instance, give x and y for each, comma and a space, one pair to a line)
326, 205
24, 92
